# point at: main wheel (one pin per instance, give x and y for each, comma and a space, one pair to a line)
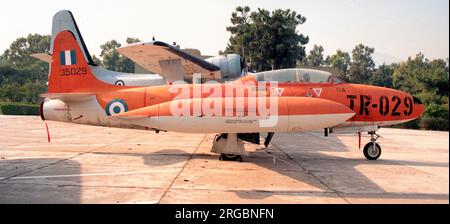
371, 152
230, 157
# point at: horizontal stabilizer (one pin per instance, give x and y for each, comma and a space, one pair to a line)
68, 96
43, 57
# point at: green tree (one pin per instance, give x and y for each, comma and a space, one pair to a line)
96, 60
11, 93
21, 84
427, 80
362, 64
241, 33
113, 60
20, 50
315, 57
19, 56
382, 76
340, 61
31, 91
267, 40
131, 40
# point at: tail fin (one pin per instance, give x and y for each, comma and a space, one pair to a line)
64, 20
69, 70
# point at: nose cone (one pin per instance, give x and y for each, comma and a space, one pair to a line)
402, 101
419, 108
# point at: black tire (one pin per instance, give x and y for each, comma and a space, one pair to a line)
230, 157
371, 154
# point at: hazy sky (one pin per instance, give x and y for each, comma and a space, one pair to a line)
399, 28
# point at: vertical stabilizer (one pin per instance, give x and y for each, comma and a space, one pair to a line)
70, 70
64, 20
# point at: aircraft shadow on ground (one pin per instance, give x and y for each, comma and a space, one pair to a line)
21, 183
336, 176
162, 157
336, 182
303, 165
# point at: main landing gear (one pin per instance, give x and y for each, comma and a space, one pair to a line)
372, 150
230, 157
230, 146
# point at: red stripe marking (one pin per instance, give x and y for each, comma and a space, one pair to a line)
48, 133
359, 140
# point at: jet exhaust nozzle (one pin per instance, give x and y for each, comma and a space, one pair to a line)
55, 110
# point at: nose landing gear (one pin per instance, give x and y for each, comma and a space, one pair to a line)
372, 150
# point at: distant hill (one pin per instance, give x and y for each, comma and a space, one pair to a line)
381, 58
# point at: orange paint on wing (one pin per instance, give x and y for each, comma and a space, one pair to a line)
284, 106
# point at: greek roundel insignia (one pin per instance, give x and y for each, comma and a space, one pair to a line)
116, 106
120, 83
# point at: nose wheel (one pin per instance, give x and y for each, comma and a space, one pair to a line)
372, 150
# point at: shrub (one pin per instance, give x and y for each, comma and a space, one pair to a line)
434, 123
436, 110
414, 124
19, 109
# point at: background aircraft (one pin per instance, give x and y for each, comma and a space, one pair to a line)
81, 92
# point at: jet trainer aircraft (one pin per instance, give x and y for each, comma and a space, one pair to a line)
286, 100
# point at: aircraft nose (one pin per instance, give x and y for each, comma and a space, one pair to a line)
420, 107
417, 100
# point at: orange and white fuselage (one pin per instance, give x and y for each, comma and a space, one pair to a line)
76, 94
244, 106
82, 98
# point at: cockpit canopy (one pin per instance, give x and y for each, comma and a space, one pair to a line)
293, 75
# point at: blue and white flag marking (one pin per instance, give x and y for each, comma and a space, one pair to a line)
68, 57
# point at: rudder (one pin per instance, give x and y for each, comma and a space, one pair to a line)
70, 70
64, 20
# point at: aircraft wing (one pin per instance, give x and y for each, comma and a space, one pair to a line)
43, 57
169, 61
